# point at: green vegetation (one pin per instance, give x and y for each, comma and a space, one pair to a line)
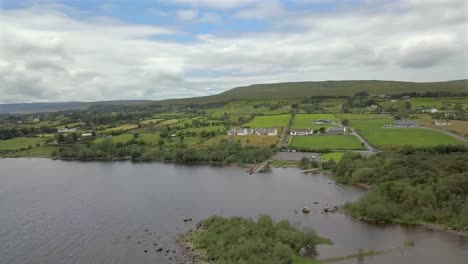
21, 143
269, 121
37, 152
241, 240
319, 142
122, 138
124, 127
336, 156
412, 186
392, 138
307, 121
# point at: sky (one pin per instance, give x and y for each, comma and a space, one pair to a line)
93, 50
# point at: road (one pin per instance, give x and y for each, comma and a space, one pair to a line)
368, 146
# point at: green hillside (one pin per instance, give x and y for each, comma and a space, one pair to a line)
325, 88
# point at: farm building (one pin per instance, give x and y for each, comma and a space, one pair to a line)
66, 130
255, 131
430, 110
441, 122
405, 123
336, 130
301, 132
322, 121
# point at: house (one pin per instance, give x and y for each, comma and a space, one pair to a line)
238, 131
249, 131
322, 121
373, 107
86, 134
430, 110
336, 130
441, 122
65, 130
301, 132
405, 123
266, 131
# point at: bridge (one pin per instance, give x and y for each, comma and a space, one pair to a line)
260, 167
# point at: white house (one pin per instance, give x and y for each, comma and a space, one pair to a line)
66, 130
431, 110
249, 131
301, 132
266, 131
86, 134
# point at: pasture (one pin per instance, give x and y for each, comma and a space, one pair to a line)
198, 130
251, 140
269, 121
122, 138
124, 127
336, 156
149, 138
393, 138
151, 121
307, 121
326, 142
21, 143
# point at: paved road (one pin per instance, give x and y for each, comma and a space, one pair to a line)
457, 136
368, 146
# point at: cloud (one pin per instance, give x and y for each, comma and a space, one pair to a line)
216, 4
55, 54
188, 14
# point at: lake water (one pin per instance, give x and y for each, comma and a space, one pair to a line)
111, 212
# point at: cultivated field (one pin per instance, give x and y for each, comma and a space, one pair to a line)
198, 130
269, 121
149, 138
336, 156
392, 138
153, 121
326, 142
21, 142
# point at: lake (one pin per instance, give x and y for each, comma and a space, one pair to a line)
111, 212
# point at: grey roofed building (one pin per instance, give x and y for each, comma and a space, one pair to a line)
266, 131
336, 130
405, 123
323, 121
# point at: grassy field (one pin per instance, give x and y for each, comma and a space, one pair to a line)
457, 126
149, 121
326, 142
149, 138
123, 138
21, 142
371, 124
269, 121
169, 122
307, 121
336, 156
124, 127
362, 116
198, 130
438, 101
391, 138
38, 152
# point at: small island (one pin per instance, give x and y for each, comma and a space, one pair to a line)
244, 240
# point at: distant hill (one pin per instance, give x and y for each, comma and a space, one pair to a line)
265, 91
324, 88
60, 106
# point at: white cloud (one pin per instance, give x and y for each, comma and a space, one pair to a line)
188, 14
217, 4
49, 55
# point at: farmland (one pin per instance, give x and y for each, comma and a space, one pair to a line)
20, 143
269, 121
124, 127
392, 138
307, 121
336, 156
326, 142
122, 138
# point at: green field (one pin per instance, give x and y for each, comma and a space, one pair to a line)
123, 138
149, 138
336, 156
362, 116
149, 121
207, 129
20, 142
307, 121
38, 152
376, 125
438, 102
269, 121
124, 127
326, 142
391, 138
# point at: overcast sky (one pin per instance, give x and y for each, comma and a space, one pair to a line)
157, 49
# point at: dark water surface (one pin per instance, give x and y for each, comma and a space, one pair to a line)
97, 212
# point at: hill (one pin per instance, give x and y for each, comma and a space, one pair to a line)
324, 88
60, 106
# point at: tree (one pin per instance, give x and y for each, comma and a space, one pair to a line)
345, 122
